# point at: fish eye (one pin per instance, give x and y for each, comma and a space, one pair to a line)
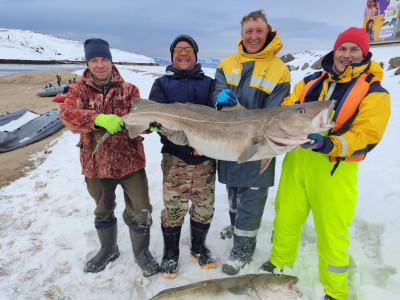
301, 111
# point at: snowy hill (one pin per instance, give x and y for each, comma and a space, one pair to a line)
27, 45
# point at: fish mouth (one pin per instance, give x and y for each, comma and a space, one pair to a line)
278, 144
292, 286
322, 121
282, 142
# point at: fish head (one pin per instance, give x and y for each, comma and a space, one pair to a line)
276, 286
292, 124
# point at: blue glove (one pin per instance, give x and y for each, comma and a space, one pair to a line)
226, 98
318, 142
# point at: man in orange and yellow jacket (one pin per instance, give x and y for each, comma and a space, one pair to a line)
321, 176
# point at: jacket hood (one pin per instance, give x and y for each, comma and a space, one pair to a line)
274, 45
367, 65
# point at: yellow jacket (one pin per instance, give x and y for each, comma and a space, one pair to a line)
367, 128
259, 80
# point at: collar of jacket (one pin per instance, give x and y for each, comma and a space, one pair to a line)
194, 73
353, 71
271, 50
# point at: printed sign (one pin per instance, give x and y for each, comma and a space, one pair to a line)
381, 21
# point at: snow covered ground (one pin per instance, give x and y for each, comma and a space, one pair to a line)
47, 232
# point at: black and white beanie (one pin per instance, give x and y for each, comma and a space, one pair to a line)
186, 38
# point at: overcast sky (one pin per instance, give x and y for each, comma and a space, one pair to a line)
148, 27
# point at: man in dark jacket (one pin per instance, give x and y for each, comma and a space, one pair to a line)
96, 102
186, 173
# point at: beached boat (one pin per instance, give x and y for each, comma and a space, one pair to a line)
50, 90
60, 97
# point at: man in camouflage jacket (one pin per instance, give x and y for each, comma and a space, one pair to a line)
96, 103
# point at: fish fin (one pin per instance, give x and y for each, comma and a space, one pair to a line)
264, 164
240, 290
237, 106
140, 102
100, 135
250, 151
135, 131
178, 137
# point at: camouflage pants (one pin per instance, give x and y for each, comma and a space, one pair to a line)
182, 182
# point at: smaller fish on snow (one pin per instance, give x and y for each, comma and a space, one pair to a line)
250, 286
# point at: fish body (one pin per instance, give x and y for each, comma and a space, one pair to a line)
238, 135
250, 286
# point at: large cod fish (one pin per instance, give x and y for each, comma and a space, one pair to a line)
251, 286
237, 135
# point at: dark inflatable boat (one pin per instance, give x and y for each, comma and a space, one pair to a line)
32, 131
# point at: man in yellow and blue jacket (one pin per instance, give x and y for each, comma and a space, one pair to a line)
256, 78
321, 176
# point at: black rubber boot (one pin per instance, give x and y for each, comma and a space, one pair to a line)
108, 252
268, 266
198, 248
140, 239
227, 231
233, 265
240, 255
169, 263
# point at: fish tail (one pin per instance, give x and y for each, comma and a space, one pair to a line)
100, 136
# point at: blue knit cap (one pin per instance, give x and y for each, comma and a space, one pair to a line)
97, 48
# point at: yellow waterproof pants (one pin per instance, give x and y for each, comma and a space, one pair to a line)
306, 184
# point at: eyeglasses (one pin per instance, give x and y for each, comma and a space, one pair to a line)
188, 50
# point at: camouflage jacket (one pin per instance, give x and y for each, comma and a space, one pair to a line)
119, 154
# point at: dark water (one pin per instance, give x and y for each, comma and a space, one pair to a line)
7, 69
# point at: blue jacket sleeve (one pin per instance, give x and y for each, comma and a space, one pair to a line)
157, 92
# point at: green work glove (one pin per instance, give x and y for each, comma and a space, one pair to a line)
111, 123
